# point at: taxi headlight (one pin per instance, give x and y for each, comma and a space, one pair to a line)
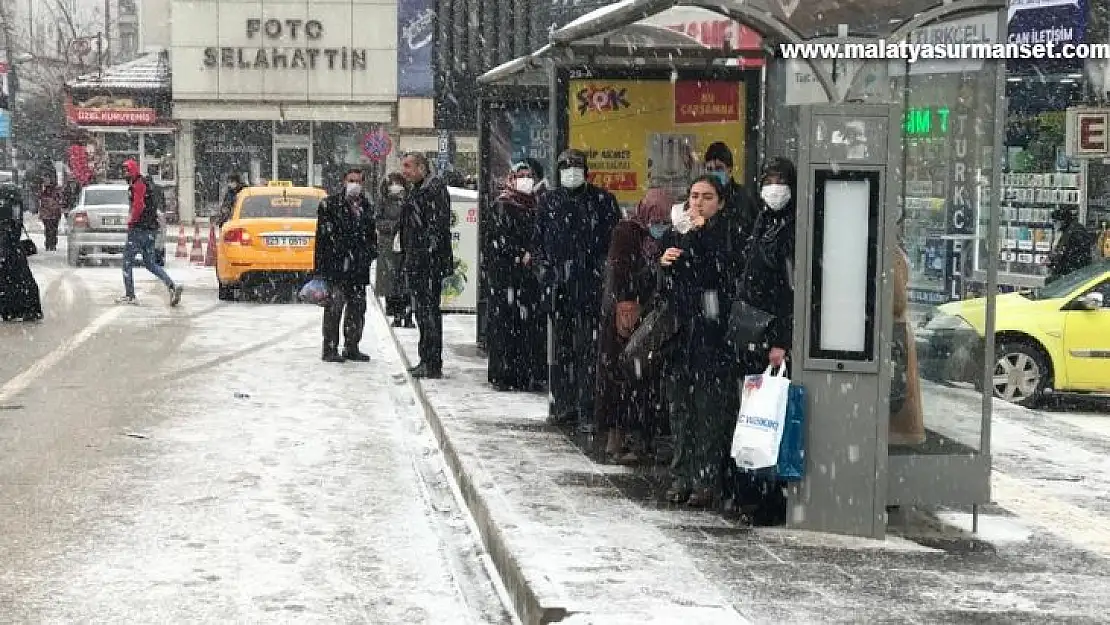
948, 323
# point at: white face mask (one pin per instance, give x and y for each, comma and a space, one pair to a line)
395, 189
524, 185
572, 177
775, 196
353, 189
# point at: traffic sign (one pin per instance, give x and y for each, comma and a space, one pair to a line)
80, 47
5, 125
377, 145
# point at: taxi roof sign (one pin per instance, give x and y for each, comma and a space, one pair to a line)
279, 183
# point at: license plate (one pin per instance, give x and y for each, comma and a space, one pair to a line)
287, 241
111, 221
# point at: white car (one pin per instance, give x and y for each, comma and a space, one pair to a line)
97, 226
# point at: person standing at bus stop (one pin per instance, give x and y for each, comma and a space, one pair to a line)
428, 257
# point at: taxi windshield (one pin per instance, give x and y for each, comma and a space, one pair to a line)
279, 206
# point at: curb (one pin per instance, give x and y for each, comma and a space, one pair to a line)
524, 599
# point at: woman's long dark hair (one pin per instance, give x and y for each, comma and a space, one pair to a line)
712, 181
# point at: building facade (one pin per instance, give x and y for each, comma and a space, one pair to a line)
287, 90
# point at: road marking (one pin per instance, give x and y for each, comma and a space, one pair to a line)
1034, 504
20, 382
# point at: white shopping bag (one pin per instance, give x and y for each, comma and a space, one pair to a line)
755, 443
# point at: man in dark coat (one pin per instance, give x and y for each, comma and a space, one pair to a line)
740, 209
428, 257
1074, 250
574, 226
346, 245
227, 206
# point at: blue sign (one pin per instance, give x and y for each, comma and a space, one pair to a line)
5, 124
1047, 21
416, 30
528, 135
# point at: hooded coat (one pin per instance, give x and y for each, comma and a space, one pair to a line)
19, 292
630, 277
388, 281
517, 328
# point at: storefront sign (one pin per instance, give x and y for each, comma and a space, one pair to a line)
709, 27
281, 41
981, 28
96, 116
1086, 133
637, 134
1047, 21
961, 177
416, 27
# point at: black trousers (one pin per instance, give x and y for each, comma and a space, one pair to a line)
572, 360
350, 299
426, 293
50, 231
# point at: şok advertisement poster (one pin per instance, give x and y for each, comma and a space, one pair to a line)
640, 134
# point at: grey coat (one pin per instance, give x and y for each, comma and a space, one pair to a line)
387, 279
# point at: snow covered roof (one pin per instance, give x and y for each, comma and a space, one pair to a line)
150, 72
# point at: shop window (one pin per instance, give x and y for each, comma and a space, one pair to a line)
121, 142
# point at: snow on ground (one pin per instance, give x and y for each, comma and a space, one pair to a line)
269, 487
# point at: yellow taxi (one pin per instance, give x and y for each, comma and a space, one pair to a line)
270, 237
1052, 339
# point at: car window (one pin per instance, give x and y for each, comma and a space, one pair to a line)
95, 197
1065, 285
1103, 288
288, 206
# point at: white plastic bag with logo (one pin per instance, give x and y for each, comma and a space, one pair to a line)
758, 435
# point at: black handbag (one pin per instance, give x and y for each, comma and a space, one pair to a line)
651, 344
27, 246
747, 325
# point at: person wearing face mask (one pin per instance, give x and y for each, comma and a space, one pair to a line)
346, 246
629, 410
739, 210
389, 282
574, 226
1074, 248
767, 283
517, 328
234, 185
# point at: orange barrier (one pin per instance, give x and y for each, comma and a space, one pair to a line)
210, 255
182, 244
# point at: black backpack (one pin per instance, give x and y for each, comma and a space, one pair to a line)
155, 198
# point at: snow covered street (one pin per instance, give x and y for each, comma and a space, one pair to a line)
201, 464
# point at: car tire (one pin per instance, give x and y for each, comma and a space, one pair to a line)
226, 293
1021, 373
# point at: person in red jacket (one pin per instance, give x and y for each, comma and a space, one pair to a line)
142, 229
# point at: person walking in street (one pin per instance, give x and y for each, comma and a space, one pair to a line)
142, 230
346, 246
227, 207
52, 205
573, 229
428, 257
19, 292
389, 281
517, 331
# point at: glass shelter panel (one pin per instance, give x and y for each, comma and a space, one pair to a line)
940, 321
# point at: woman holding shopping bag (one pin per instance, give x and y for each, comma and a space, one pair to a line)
767, 289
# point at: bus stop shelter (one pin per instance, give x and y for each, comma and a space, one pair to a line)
899, 172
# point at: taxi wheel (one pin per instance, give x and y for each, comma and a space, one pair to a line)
226, 293
1021, 373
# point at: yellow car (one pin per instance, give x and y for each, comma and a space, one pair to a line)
1052, 339
271, 236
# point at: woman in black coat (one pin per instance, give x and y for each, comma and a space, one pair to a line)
19, 293
389, 281
517, 328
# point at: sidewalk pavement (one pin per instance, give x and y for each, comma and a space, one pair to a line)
580, 542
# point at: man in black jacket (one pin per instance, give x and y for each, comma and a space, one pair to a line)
346, 245
428, 257
1075, 248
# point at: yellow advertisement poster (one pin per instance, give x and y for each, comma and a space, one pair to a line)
644, 133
